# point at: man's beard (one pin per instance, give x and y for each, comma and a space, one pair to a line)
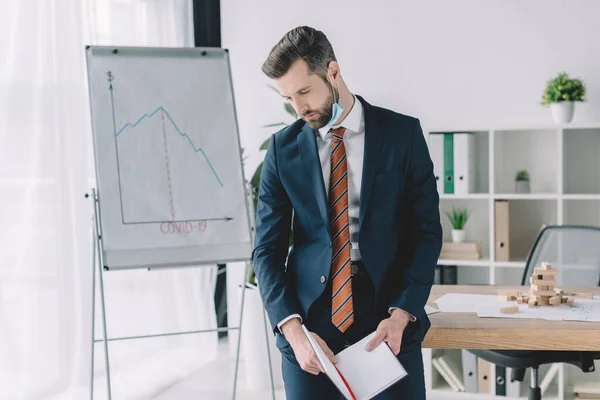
324, 113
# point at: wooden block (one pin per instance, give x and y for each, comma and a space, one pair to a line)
570, 301
531, 303
509, 309
559, 291
563, 300
555, 300
542, 282
525, 299
583, 295
542, 287
540, 300
549, 293
545, 265
541, 271
508, 292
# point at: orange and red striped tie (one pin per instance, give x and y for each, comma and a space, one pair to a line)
342, 312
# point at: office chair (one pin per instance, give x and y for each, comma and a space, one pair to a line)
575, 252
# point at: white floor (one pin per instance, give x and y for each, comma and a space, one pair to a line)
215, 382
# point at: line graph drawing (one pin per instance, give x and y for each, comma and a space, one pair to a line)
169, 191
183, 134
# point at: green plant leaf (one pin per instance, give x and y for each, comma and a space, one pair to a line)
563, 88
265, 144
273, 125
255, 180
458, 218
290, 110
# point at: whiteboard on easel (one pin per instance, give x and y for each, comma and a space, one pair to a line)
170, 182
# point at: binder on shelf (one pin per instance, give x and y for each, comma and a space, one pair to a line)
484, 376
469, 367
449, 275
448, 163
436, 148
500, 381
501, 234
464, 163
513, 388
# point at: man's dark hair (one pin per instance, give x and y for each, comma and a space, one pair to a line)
304, 43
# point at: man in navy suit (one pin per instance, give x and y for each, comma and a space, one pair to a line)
354, 184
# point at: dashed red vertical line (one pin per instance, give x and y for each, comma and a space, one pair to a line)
164, 129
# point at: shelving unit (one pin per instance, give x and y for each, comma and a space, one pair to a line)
563, 162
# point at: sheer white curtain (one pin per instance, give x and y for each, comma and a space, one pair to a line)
46, 166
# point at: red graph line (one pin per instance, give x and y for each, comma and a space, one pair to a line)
164, 129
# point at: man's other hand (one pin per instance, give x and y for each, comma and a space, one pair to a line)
390, 330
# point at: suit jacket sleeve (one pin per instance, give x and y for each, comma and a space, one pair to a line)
273, 223
425, 230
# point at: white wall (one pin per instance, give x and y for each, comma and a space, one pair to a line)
450, 63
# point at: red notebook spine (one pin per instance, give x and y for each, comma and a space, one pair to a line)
346, 383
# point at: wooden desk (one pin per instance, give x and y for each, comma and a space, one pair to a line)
467, 331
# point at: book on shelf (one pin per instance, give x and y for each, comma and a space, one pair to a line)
462, 247
453, 255
451, 373
461, 251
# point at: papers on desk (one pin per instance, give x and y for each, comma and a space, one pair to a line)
488, 306
359, 374
430, 310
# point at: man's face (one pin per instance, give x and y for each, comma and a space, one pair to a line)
309, 94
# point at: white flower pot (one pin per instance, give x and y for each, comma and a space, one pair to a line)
562, 112
458, 235
522, 187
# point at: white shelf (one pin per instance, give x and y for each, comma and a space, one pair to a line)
581, 196
526, 196
470, 196
563, 162
465, 263
524, 127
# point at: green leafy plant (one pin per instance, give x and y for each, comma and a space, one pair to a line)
563, 88
458, 217
522, 175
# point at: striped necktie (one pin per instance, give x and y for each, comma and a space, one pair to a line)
342, 314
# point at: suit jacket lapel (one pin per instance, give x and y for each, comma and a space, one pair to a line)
307, 147
373, 143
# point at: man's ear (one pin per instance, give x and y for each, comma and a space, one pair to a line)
333, 70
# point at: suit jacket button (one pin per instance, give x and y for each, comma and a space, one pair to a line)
323, 279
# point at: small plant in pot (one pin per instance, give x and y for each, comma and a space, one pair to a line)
522, 182
458, 219
560, 94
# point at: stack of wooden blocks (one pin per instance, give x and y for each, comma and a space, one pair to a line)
542, 292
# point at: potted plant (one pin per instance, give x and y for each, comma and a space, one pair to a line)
561, 93
458, 219
522, 182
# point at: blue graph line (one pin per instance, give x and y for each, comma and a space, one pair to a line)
196, 149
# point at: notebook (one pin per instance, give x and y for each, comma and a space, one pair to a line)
359, 374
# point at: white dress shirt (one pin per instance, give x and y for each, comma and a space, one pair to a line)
354, 142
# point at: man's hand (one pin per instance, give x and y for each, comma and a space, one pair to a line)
305, 355
390, 330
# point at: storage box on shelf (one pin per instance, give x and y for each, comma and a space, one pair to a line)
562, 162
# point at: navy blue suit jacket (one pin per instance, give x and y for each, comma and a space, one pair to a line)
400, 234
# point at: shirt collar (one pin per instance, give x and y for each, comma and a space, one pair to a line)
351, 122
